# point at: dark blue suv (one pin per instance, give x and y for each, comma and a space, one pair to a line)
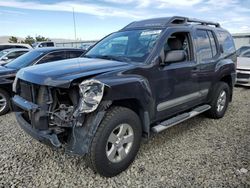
143, 79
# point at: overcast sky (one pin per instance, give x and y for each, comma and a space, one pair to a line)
97, 18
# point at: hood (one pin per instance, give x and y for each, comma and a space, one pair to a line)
4, 71
62, 73
243, 63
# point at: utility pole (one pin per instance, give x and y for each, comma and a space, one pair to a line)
74, 19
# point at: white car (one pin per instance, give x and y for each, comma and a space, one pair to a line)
4, 46
243, 68
8, 55
43, 44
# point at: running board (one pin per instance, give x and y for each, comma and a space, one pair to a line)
180, 118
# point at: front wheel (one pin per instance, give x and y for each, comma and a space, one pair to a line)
220, 101
116, 142
4, 102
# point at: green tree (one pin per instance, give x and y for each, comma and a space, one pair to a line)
29, 40
40, 38
13, 39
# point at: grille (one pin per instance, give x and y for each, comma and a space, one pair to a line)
26, 91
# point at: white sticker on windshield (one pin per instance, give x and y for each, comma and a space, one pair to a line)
154, 32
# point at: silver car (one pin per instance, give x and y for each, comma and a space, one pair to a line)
243, 68
8, 55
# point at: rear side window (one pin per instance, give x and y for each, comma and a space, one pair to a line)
204, 51
53, 56
206, 46
19, 47
74, 54
226, 40
50, 44
212, 43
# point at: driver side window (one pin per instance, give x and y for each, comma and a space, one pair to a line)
179, 41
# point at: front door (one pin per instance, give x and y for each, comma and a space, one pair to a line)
177, 85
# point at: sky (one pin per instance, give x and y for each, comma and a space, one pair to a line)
97, 18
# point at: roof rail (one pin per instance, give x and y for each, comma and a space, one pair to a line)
182, 20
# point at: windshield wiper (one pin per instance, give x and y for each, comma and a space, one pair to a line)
115, 58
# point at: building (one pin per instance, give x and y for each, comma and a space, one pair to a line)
241, 39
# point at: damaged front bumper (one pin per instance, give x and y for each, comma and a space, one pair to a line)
78, 137
44, 136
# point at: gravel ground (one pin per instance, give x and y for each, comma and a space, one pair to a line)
197, 153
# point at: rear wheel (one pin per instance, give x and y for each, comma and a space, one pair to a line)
4, 102
116, 142
220, 101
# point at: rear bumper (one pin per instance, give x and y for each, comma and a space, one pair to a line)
243, 77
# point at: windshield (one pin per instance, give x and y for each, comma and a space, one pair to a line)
127, 46
24, 60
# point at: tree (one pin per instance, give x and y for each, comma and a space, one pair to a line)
40, 38
29, 40
13, 39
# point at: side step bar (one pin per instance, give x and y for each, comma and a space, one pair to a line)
180, 118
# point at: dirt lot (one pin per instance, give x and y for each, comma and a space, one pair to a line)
198, 152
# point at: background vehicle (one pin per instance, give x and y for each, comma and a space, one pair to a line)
242, 49
86, 46
4, 46
9, 55
243, 68
43, 44
36, 56
145, 78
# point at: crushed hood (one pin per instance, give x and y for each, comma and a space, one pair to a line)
62, 73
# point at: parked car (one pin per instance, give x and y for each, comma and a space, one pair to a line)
143, 79
242, 49
243, 68
43, 44
9, 55
4, 46
37, 56
86, 46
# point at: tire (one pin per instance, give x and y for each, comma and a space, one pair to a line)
4, 102
215, 112
115, 120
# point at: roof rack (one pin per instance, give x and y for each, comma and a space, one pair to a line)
182, 20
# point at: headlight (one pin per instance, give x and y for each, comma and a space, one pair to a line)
91, 92
14, 85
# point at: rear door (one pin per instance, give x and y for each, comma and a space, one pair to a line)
207, 55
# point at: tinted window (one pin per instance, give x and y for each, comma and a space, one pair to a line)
25, 60
203, 43
213, 43
50, 44
19, 47
74, 54
226, 41
53, 56
12, 55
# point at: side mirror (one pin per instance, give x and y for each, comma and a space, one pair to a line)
174, 56
5, 58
